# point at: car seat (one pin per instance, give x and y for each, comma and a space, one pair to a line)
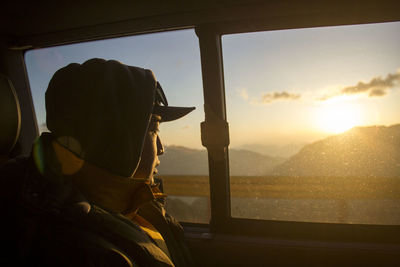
10, 118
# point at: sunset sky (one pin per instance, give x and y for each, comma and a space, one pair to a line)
282, 87
301, 85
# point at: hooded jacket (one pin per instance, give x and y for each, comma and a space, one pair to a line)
98, 113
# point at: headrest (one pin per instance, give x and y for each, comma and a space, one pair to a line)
10, 116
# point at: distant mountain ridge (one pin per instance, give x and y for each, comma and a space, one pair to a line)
180, 160
282, 151
372, 151
361, 151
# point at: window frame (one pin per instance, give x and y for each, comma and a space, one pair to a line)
218, 154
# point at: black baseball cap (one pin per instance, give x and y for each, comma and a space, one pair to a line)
106, 106
167, 113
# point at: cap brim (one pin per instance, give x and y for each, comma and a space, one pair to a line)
169, 113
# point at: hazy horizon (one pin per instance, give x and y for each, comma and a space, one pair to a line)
277, 150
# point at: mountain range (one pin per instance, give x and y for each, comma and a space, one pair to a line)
282, 151
372, 151
180, 160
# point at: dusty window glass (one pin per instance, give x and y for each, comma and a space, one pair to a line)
175, 59
314, 124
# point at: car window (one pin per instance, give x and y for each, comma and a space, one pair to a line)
174, 58
314, 124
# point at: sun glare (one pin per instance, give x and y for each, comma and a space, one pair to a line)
338, 117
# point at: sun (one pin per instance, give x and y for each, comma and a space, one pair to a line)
338, 117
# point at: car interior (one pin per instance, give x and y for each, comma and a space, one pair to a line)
222, 236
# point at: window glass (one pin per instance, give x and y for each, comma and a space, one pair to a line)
174, 58
314, 124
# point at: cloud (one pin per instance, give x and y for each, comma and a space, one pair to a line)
243, 93
378, 86
377, 92
324, 98
269, 97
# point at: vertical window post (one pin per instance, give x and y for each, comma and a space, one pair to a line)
214, 130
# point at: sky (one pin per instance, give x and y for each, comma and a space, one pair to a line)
294, 86
282, 87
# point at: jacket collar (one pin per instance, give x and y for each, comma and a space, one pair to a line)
102, 188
